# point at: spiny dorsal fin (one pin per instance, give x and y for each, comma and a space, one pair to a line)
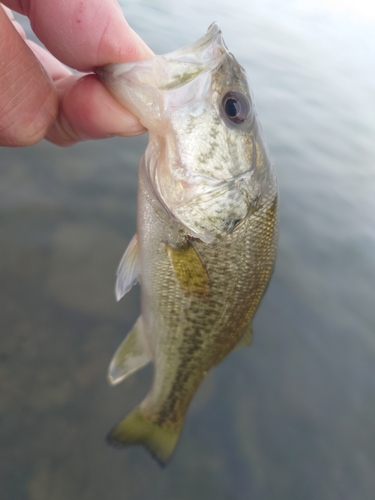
246, 338
128, 269
189, 270
130, 356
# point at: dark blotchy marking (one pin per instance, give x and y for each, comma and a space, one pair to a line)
203, 157
190, 346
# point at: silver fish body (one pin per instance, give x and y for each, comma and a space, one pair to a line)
206, 228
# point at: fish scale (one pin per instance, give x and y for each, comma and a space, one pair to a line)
239, 274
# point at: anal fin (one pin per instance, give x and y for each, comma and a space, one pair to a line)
246, 338
130, 356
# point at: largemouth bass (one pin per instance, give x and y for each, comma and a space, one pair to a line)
206, 236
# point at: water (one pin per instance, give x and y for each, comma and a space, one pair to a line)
291, 417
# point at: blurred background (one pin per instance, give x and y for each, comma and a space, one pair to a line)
291, 417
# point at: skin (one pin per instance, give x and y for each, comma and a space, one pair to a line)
39, 96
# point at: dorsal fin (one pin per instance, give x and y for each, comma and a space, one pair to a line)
128, 269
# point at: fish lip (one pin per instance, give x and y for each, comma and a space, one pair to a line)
116, 69
198, 47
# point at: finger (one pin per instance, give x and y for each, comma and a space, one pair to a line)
17, 25
54, 68
88, 111
28, 101
83, 34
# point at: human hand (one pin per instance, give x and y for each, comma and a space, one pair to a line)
42, 98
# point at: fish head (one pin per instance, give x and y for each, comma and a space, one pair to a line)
206, 160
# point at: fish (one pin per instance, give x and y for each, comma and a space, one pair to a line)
206, 239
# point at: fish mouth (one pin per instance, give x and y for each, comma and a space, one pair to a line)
184, 65
200, 51
175, 69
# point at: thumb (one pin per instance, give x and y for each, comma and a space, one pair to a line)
28, 101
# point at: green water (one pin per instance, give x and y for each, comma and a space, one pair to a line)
291, 417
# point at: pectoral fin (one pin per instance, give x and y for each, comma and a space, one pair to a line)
130, 356
189, 270
246, 338
128, 269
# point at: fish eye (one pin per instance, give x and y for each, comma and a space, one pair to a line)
236, 107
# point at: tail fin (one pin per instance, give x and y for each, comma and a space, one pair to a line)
138, 428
